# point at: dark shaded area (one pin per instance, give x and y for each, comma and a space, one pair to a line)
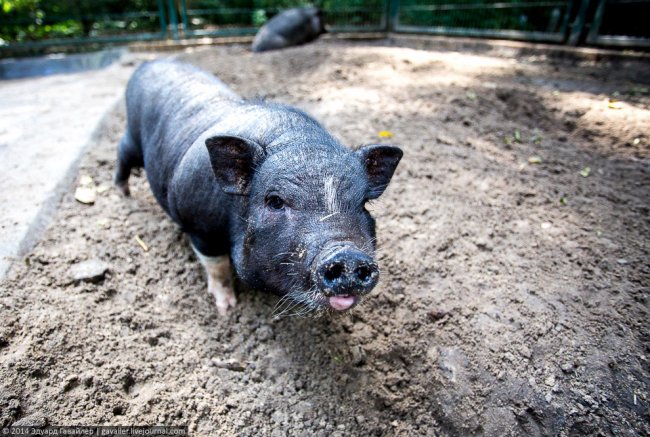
626, 18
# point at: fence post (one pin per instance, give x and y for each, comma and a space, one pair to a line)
161, 16
393, 15
184, 19
578, 24
173, 19
592, 36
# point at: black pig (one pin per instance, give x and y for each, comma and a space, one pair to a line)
261, 181
290, 28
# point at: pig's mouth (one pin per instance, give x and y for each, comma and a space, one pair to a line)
338, 303
342, 302
314, 304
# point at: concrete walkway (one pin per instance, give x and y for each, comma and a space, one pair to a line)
45, 125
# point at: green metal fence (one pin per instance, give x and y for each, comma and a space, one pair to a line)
514, 19
74, 22
225, 18
621, 23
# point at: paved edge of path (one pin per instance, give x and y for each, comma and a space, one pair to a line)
43, 153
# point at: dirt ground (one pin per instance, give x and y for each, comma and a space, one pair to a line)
514, 290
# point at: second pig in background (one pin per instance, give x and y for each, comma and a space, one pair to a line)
290, 28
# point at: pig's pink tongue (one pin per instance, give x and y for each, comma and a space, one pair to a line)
341, 303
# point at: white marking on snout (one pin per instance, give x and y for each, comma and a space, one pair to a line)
331, 197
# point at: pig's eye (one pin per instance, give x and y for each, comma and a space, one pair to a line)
275, 202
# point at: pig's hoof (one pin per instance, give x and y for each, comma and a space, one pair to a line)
224, 297
123, 188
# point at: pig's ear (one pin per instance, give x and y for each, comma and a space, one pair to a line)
380, 162
233, 162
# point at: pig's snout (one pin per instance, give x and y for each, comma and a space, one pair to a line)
343, 274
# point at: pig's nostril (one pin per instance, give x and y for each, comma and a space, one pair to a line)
346, 272
334, 272
363, 273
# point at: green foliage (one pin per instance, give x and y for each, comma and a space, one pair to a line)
29, 20
259, 17
9, 5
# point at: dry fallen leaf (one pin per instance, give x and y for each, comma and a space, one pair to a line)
142, 244
585, 172
614, 104
385, 134
535, 160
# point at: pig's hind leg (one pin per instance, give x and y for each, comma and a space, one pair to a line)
129, 156
218, 270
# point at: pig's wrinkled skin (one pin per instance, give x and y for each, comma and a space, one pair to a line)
290, 28
263, 182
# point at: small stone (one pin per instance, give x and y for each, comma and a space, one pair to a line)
436, 314
36, 420
358, 356
550, 381
231, 364
70, 382
483, 243
264, 332
444, 140
567, 367
92, 271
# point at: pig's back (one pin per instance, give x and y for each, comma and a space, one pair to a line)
169, 105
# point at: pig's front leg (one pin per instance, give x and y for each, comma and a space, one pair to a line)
218, 270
